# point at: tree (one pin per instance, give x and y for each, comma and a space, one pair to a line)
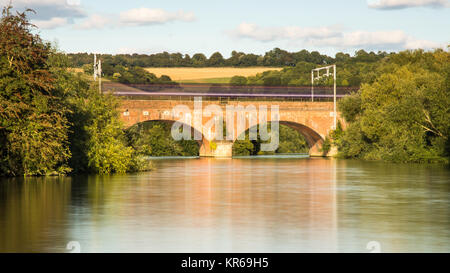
51, 120
216, 59
402, 117
33, 123
238, 80
290, 142
199, 60
107, 151
243, 148
153, 139
272, 80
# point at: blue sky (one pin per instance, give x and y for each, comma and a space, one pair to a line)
137, 26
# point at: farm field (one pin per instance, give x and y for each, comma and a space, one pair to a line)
207, 74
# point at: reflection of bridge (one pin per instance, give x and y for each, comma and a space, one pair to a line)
312, 119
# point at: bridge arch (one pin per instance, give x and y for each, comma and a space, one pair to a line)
314, 120
312, 137
204, 144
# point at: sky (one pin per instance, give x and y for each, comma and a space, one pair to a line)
250, 26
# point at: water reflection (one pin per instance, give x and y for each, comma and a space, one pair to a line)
31, 212
239, 205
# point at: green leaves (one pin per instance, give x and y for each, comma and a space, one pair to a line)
291, 142
97, 140
33, 121
51, 121
154, 139
404, 115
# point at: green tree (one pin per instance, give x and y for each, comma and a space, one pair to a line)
50, 118
33, 123
154, 139
243, 148
238, 81
199, 60
96, 140
403, 116
290, 142
107, 151
216, 59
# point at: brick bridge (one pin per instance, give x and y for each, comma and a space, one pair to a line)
314, 120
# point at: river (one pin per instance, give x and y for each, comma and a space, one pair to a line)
238, 205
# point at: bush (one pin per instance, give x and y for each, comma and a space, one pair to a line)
238, 81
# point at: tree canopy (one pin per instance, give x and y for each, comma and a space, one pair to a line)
52, 121
403, 115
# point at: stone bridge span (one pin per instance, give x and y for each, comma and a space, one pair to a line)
314, 120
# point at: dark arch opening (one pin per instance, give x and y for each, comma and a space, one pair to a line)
305, 141
312, 137
153, 138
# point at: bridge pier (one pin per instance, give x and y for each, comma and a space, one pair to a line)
219, 149
315, 150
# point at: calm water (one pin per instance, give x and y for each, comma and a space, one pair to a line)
239, 205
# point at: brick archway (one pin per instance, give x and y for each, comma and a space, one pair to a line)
204, 144
313, 139
314, 120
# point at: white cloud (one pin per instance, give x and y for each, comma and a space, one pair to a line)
267, 34
333, 37
54, 22
145, 16
403, 4
94, 21
134, 17
50, 13
396, 39
47, 9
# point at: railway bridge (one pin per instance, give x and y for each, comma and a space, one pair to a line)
313, 119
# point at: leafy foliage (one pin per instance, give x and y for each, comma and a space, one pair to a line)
154, 139
51, 121
33, 123
131, 75
404, 115
276, 57
291, 142
352, 70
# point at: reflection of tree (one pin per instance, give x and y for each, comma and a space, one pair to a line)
30, 211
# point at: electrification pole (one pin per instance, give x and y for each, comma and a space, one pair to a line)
327, 68
95, 67
98, 72
100, 76
312, 86
335, 102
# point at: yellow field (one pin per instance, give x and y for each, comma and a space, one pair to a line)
76, 70
189, 74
